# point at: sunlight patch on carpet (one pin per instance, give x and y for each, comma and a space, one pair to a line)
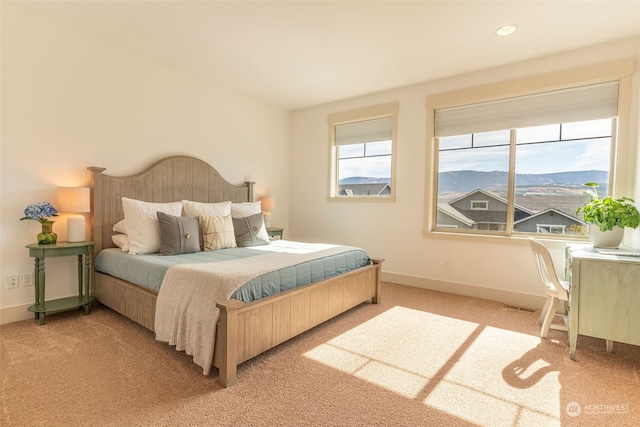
506, 372
402, 348
486, 375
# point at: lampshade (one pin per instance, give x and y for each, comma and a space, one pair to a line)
267, 203
74, 200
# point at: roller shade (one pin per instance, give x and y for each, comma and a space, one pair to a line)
364, 131
591, 102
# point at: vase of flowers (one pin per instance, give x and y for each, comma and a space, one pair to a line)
42, 212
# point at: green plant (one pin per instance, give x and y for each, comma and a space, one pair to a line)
608, 212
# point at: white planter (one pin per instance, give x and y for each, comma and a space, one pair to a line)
606, 239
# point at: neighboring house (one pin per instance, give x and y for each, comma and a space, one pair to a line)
488, 211
377, 189
449, 217
547, 221
482, 210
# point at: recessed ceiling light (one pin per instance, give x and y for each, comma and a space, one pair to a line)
506, 30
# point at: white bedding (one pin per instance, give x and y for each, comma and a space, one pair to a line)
186, 312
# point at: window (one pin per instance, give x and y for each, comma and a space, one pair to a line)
552, 162
362, 148
479, 205
550, 229
517, 164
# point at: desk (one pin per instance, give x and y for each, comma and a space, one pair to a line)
604, 296
83, 250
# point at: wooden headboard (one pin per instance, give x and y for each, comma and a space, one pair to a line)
168, 180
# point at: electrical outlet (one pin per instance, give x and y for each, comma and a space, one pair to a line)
27, 279
13, 281
447, 265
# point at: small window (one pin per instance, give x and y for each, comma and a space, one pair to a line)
362, 153
550, 229
479, 205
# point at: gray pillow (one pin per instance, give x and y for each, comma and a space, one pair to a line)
178, 235
250, 231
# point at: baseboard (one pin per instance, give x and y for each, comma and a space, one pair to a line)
515, 299
19, 312
15, 314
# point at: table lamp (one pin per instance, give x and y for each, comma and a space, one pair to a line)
267, 204
74, 200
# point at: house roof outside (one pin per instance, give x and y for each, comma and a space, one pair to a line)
493, 196
531, 206
567, 204
538, 214
375, 189
455, 214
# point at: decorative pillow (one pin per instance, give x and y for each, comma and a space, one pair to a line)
120, 227
121, 241
241, 210
178, 234
142, 223
217, 232
250, 231
206, 209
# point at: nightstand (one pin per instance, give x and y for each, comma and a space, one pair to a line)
273, 232
83, 251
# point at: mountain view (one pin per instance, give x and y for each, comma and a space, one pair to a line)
466, 181
363, 180
564, 191
461, 182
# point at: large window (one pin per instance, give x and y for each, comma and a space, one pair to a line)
517, 163
362, 149
552, 162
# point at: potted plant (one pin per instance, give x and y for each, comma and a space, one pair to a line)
608, 218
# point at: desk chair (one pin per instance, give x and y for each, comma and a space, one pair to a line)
557, 290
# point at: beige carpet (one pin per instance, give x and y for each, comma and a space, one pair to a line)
420, 358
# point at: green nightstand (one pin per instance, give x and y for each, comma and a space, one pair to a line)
273, 232
83, 251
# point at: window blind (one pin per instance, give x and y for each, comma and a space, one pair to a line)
364, 131
598, 101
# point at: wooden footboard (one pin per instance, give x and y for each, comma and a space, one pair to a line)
246, 330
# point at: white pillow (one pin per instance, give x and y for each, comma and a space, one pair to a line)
194, 209
120, 227
143, 228
245, 209
121, 241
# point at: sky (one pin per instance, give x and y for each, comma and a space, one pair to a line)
567, 151
532, 159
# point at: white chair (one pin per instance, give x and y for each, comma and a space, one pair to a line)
557, 290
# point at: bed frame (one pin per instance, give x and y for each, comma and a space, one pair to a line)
244, 330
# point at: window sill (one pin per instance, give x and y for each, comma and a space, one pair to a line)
362, 199
501, 238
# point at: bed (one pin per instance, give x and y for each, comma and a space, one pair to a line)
244, 329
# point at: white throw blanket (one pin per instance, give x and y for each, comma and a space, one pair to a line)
186, 312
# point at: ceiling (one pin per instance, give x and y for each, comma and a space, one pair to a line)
298, 54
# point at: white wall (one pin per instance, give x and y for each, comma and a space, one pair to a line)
497, 268
71, 101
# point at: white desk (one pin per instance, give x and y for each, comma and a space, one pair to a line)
604, 298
